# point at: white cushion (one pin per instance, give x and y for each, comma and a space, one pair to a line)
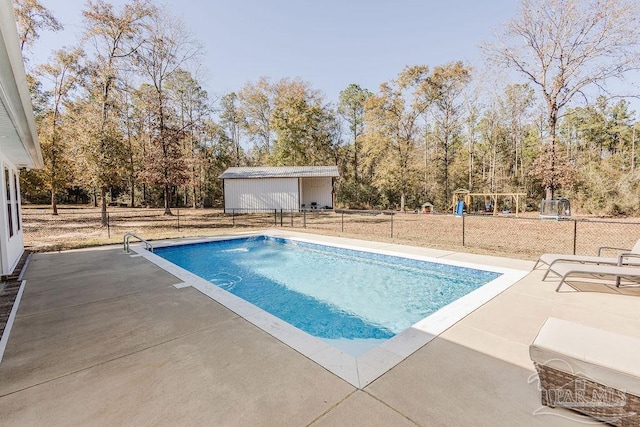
604, 357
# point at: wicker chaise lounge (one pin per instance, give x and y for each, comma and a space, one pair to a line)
588, 370
616, 272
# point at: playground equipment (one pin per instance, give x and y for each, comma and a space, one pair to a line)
461, 197
490, 200
555, 209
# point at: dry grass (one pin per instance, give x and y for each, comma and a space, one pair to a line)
523, 237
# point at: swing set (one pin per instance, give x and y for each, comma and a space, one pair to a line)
486, 202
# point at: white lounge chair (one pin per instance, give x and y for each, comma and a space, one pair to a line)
565, 270
626, 257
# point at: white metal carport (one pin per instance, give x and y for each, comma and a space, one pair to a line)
291, 188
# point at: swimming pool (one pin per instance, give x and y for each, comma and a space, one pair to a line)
355, 311
354, 297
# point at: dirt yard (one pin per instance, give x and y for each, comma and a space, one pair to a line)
521, 237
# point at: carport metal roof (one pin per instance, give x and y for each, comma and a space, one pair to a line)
280, 172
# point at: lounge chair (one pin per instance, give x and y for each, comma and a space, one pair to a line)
626, 257
598, 271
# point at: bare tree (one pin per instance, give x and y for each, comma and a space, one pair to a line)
232, 120
64, 73
444, 93
166, 49
31, 18
256, 102
393, 120
515, 106
194, 109
112, 35
566, 47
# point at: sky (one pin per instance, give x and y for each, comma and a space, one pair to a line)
329, 43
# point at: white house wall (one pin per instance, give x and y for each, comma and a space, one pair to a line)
11, 248
316, 190
261, 194
19, 146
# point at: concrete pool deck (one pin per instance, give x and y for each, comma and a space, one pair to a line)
103, 338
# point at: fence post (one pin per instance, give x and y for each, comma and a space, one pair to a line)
463, 215
291, 218
343, 221
275, 217
233, 217
392, 225
575, 235
281, 222
178, 219
304, 219
108, 227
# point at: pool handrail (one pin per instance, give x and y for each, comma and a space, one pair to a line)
127, 236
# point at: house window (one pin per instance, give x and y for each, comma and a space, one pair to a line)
7, 185
16, 192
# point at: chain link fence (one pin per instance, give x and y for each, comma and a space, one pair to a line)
505, 235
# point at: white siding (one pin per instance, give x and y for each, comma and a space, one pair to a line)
11, 247
20, 147
316, 190
261, 194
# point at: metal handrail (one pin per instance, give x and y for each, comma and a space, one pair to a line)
127, 236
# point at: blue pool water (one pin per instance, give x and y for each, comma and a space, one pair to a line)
328, 292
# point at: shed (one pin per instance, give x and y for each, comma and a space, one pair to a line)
19, 147
259, 189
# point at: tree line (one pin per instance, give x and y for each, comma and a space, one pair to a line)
123, 117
